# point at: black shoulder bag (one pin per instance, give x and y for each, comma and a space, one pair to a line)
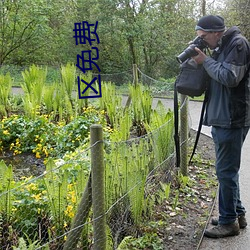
191, 81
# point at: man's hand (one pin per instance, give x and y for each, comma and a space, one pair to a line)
200, 58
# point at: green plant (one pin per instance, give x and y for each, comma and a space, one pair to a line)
164, 191
6, 184
111, 104
48, 98
45, 138
33, 86
58, 102
176, 199
126, 172
23, 134
5, 90
147, 241
30, 208
22, 245
141, 104
83, 103
161, 128
121, 131
184, 181
68, 74
56, 187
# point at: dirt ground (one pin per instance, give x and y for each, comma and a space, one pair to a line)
187, 222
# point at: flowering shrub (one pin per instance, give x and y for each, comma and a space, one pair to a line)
46, 138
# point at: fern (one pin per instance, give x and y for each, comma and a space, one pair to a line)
6, 184
48, 97
56, 185
33, 86
68, 74
5, 90
161, 126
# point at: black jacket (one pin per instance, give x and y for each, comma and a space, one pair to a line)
229, 90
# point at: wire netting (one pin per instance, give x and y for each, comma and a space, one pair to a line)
43, 211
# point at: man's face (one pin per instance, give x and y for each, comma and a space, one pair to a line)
211, 38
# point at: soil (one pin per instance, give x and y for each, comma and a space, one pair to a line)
24, 164
186, 223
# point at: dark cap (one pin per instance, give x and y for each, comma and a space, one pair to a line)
210, 23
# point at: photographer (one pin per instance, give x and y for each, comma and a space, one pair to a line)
228, 112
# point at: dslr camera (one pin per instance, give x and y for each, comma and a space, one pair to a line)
190, 51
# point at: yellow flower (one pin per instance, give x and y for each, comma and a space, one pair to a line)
16, 152
45, 151
6, 132
69, 211
73, 199
102, 112
37, 196
31, 187
38, 155
14, 209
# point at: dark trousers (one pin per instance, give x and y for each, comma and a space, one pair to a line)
228, 145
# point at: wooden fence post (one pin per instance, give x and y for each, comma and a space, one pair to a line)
135, 74
184, 135
98, 195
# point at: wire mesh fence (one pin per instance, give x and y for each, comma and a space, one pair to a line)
42, 210
55, 210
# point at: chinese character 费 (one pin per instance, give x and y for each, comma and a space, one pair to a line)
83, 33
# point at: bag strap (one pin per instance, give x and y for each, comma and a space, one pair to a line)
176, 126
199, 127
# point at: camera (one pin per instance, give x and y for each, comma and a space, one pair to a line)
190, 51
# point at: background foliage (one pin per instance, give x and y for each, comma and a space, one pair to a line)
149, 33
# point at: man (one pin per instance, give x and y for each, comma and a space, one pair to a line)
228, 112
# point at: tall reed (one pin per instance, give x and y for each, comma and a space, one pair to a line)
5, 90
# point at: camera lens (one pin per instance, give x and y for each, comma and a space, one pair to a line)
187, 53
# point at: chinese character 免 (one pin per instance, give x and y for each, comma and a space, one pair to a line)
87, 60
